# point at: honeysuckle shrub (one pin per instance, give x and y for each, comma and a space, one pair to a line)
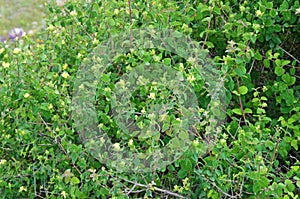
254, 45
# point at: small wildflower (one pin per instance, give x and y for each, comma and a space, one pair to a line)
181, 67
63, 42
152, 96
195, 143
95, 41
223, 141
259, 13
101, 125
242, 8
16, 50
26, 95
151, 116
73, 13
2, 161
22, 188
116, 11
163, 117
2, 50
50, 27
102, 140
116, 146
122, 83
191, 60
191, 78
176, 188
185, 181
65, 75
107, 89
156, 58
5, 65
81, 87
178, 119
50, 106
152, 52
297, 11
130, 142
65, 66
79, 55
64, 194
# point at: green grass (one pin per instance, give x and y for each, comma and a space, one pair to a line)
26, 14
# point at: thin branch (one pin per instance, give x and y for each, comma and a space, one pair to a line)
155, 188
130, 21
289, 54
135, 184
60, 146
240, 99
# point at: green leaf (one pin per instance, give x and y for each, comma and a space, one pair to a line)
266, 63
279, 71
258, 56
75, 180
259, 184
186, 164
243, 90
105, 78
237, 111
298, 183
240, 71
284, 6
285, 62
269, 5
209, 44
288, 79
167, 61
248, 110
294, 143
182, 173
216, 10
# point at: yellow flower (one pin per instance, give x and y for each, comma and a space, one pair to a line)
259, 13
65, 75
122, 83
16, 50
2, 50
73, 13
95, 41
50, 106
65, 66
152, 52
195, 143
26, 95
2, 161
5, 65
64, 194
116, 11
107, 89
22, 188
116, 146
181, 67
191, 78
152, 96
130, 142
51, 27
163, 117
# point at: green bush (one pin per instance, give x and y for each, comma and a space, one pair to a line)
254, 46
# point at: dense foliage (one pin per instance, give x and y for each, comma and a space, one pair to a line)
255, 46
